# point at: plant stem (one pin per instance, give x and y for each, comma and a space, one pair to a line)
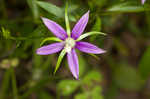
14, 85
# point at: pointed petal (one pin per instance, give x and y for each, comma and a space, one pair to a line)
50, 49
56, 29
80, 26
143, 1
89, 48
73, 63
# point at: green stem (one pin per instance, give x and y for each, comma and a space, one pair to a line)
67, 19
14, 85
5, 84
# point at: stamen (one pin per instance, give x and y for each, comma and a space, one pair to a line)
69, 44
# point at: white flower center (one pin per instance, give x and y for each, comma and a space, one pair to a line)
69, 44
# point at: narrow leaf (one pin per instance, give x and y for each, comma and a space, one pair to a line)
67, 20
62, 54
96, 27
93, 55
89, 34
33, 6
51, 8
5, 84
50, 39
14, 84
128, 7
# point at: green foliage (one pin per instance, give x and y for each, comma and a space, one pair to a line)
89, 34
61, 56
67, 87
6, 33
50, 39
97, 25
128, 7
51, 8
33, 6
125, 67
95, 93
67, 20
127, 78
144, 64
91, 77
44, 95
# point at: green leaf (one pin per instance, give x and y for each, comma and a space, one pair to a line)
5, 84
67, 87
96, 93
14, 84
51, 8
144, 65
127, 78
67, 20
33, 6
89, 34
42, 94
92, 76
97, 26
128, 7
62, 54
82, 96
93, 55
6, 33
50, 39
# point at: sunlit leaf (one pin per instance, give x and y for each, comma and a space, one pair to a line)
67, 20
82, 96
53, 9
67, 87
89, 34
6, 33
61, 56
50, 39
128, 7
96, 93
92, 76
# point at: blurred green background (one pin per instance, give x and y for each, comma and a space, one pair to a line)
121, 73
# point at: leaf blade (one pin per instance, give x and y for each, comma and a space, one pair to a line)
50, 39
51, 8
62, 54
89, 34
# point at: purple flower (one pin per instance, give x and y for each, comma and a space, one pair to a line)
143, 1
69, 43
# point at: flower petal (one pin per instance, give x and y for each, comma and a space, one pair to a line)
50, 49
143, 1
80, 26
56, 29
73, 63
89, 48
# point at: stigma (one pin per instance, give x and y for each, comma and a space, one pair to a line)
69, 44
